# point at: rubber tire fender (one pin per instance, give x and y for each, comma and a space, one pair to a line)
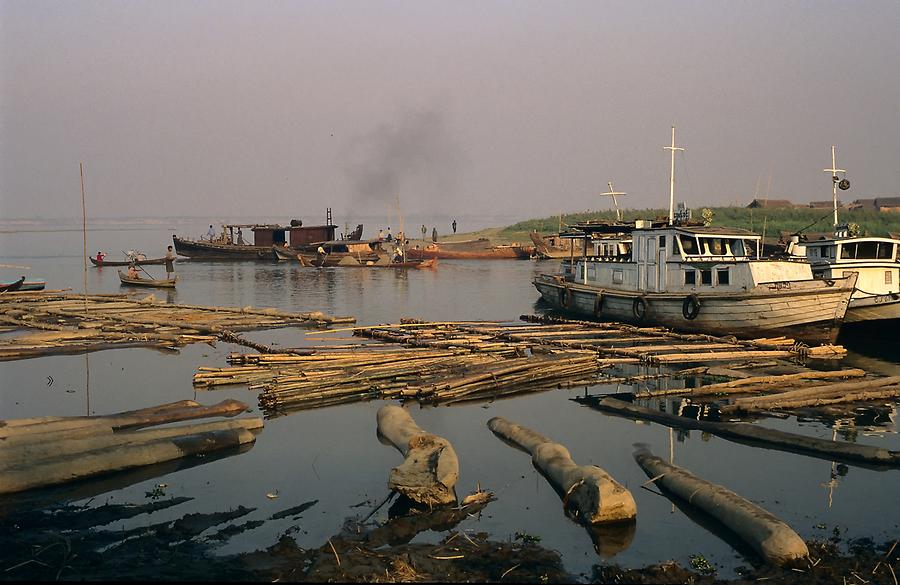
639, 308
565, 297
690, 308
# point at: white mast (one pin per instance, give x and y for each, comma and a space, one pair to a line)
834, 182
613, 193
673, 148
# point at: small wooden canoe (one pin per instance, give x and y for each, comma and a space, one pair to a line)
33, 285
12, 286
148, 261
158, 283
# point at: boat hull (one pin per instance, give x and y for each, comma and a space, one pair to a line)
148, 262
873, 308
811, 310
164, 283
212, 251
498, 253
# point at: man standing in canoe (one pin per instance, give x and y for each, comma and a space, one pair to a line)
170, 259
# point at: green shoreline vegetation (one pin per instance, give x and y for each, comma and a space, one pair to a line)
769, 222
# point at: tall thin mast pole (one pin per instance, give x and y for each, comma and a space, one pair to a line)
83, 232
613, 193
834, 182
673, 148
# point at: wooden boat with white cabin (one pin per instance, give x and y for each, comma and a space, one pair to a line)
695, 278
698, 279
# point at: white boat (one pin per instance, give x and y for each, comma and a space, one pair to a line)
877, 294
876, 261
698, 279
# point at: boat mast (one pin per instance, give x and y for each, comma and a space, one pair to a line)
834, 182
613, 193
673, 148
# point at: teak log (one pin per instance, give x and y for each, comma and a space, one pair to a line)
430, 469
774, 540
595, 495
66, 469
127, 420
37, 453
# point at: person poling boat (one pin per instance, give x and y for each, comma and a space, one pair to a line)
133, 277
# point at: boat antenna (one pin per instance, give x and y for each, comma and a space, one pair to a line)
836, 182
613, 193
673, 148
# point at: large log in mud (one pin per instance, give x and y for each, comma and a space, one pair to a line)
754, 434
46, 451
774, 540
430, 469
595, 495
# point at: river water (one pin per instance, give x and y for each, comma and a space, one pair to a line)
332, 456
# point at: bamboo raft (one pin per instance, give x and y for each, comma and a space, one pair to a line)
76, 323
450, 362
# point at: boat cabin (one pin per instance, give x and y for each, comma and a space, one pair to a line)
875, 259
278, 235
654, 257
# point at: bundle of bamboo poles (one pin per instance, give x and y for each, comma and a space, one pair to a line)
820, 395
76, 323
291, 382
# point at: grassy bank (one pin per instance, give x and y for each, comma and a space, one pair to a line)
769, 222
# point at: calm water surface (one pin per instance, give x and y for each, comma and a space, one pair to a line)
332, 455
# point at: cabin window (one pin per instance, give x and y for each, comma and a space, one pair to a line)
717, 247
831, 251
722, 276
706, 277
737, 248
690, 277
885, 251
662, 241
618, 277
688, 244
867, 250
887, 277
813, 252
848, 251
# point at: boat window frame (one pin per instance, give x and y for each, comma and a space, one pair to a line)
706, 275
719, 273
692, 281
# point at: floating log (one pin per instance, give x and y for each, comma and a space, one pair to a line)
774, 540
126, 420
431, 469
754, 434
37, 453
594, 494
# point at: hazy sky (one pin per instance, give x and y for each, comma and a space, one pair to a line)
265, 108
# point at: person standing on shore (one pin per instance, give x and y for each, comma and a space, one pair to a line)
424, 231
453, 225
170, 259
434, 234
